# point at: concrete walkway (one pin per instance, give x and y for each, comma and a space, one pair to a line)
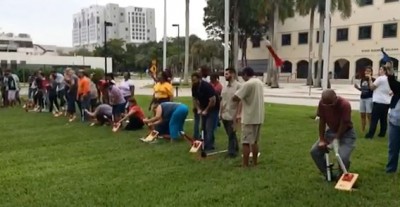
288, 93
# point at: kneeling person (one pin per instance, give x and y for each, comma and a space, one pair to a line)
135, 116
102, 114
169, 119
334, 113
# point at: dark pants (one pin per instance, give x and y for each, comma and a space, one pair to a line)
53, 102
208, 125
135, 123
233, 146
61, 96
84, 104
394, 148
101, 119
38, 99
71, 99
93, 104
379, 113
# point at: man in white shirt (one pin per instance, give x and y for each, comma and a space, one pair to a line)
381, 101
230, 111
251, 95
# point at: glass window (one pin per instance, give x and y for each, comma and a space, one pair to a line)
286, 39
303, 38
364, 32
342, 34
389, 30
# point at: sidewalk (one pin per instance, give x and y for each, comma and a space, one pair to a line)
288, 93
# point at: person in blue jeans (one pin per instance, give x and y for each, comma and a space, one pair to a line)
169, 119
394, 124
206, 106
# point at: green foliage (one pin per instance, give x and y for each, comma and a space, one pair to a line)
98, 74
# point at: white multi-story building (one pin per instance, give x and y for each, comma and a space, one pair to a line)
132, 24
355, 42
19, 52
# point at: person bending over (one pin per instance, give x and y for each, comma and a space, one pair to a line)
135, 116
334, 113
169, 119
102, 114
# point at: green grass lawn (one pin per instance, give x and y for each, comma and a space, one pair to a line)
46, 162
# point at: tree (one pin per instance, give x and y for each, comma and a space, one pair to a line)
304, 8
81, 52
274, 10
115, 49
344, 7
241, 26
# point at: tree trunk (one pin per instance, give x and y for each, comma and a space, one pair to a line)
235, 56
275, 71
186, 69
311, 49
270, 60
320, 49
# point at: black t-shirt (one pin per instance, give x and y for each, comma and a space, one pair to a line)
366, 92
203, 92
11, 83
39, 83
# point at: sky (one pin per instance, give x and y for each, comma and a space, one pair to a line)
49, 22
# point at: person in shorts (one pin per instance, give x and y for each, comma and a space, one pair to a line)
365, 98
251, 95
11, 85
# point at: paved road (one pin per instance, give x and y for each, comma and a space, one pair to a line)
293, 94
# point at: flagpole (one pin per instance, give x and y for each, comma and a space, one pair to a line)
165, 37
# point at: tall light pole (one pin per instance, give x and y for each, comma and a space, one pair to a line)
226, 38
327, 44
179, 46
165, 37
106, 24
186, 69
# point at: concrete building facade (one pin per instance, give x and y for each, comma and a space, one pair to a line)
132, 24
356, 42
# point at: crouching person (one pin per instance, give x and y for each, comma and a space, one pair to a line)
102, 114
334, 113
135, 116
169, 119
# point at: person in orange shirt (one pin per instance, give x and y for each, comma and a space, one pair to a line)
163, 90
83, 96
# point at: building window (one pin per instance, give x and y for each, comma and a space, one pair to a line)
390, 30
286, 39
303, 38
389, 1
126, 29
323, 37
366, 2
342, 34
364, 32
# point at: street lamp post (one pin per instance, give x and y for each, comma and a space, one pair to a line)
327, 44
179, 46
226, 35
106, 24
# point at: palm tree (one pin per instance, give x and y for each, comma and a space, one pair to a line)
186, 69
304, 8
275, 10
344, 7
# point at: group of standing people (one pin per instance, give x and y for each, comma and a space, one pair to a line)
103, 102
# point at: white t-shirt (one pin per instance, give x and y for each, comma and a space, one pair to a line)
252, 96
125, 87
382, 92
